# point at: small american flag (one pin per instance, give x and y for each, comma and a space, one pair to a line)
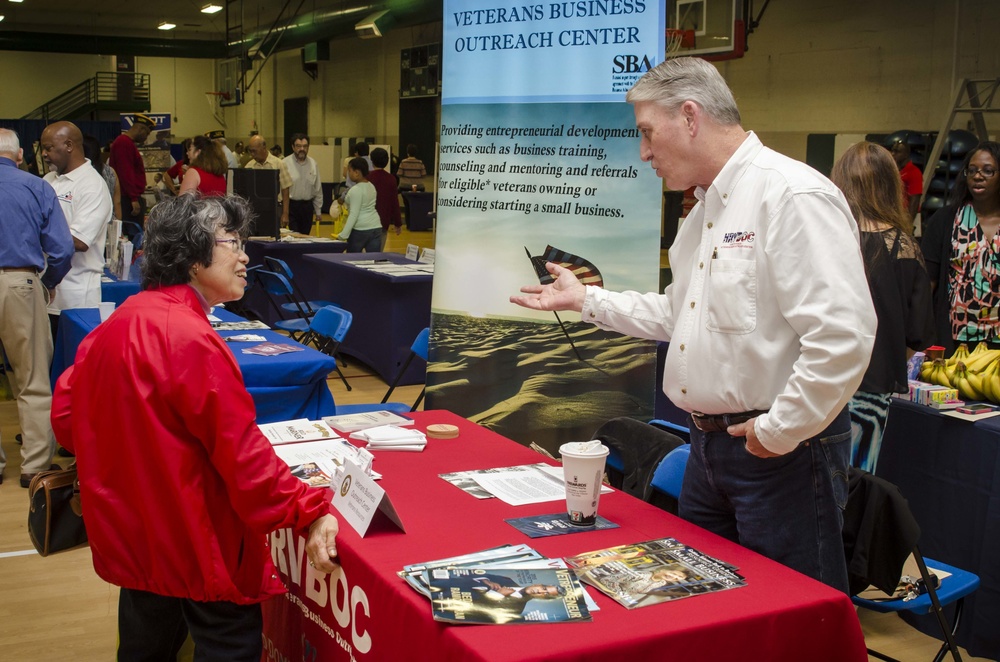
584, 270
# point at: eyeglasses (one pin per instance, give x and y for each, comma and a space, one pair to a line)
235, 244
985, 172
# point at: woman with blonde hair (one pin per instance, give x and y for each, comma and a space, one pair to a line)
900, 289
209, 166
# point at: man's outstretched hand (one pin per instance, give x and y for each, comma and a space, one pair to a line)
564, 293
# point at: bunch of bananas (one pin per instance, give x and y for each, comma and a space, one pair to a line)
975, 374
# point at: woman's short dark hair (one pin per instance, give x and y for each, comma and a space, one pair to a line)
360, 165
961, 193
180, 234
379, 157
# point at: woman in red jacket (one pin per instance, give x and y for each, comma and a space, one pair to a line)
178, 485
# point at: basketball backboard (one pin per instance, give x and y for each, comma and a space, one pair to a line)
717, 26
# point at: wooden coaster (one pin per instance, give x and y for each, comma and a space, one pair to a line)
442, 431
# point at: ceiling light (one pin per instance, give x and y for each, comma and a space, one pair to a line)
16, 0
211, 9
166, 26
1, 17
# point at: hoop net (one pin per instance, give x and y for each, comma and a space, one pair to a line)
215, 100
677, 39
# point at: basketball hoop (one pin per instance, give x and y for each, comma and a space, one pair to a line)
223, 96
678, 39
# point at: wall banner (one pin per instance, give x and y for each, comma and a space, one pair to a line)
539, 160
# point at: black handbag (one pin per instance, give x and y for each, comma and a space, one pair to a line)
55, 521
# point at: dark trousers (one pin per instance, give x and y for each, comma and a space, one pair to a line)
152, 628
127, 215
300, 216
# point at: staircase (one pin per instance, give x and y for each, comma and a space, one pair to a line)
106, 91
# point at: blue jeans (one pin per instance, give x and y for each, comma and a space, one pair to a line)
788, 508
369, 240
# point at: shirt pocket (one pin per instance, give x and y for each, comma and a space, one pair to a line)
732, 296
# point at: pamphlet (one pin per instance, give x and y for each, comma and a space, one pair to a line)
273, 349
365, 420
316, 462
506, 595
301, 429
248, 325
655, 571
508, 555
391, 438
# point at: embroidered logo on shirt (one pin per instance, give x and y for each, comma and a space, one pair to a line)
741, 239
66, 197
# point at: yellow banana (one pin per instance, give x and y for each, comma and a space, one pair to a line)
991, 382
961, 381
939, 376
960, 354
980, 361
925, 370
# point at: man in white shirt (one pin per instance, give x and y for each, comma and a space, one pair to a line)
86, 204
306, 193
769, 319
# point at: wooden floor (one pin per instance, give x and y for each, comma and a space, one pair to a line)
56, 608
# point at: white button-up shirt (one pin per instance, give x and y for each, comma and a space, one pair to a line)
769, 307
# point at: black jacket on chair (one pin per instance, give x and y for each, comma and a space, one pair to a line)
641, 447
879, 532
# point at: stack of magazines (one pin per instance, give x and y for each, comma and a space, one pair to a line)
508, 584
654, 571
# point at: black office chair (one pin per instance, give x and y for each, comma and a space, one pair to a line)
419, 349
880, 533
635, 449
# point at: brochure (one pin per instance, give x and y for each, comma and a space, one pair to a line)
301, 429
655, 571
391, 438
505, 555
365, 420
518, 485
501, 595
316, 462
273, 349
247, 325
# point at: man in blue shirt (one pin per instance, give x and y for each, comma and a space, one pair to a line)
32, 226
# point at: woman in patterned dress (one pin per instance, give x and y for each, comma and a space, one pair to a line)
962, 252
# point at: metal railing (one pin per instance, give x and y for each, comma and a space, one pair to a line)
106, 87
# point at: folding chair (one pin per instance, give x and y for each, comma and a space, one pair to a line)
879, 534
681, 431
328, 327
279, 266
418, 348
277, 285
669, 474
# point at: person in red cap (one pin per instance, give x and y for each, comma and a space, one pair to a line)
128, 165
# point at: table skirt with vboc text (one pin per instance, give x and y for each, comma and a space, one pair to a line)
365, 612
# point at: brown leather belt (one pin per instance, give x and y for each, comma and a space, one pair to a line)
31, 270
720, 422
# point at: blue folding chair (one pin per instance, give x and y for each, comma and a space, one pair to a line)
669, 474
279, 266
277, 285
419, 349
327, 328
681, 431
879, 533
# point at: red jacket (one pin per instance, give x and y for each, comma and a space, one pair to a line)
179, 487
386, 197
124, 157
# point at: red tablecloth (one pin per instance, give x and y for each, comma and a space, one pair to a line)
779, 615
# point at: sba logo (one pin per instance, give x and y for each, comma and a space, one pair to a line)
630, 64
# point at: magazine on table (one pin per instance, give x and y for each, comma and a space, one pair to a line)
500, 595
300, 429
365, 420
654, 571
412, 574
316, 462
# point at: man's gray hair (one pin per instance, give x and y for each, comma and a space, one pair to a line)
10, 144
674, 81
180, 234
